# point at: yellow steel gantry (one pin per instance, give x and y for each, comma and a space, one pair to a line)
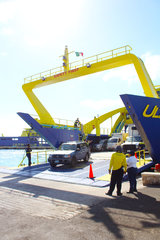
104, 61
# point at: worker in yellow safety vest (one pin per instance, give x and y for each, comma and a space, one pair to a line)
118, 165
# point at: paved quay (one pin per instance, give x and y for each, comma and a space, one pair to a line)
33, 208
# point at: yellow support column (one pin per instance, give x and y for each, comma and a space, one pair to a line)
97, 126
37, 158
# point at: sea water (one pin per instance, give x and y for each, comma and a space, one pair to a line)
12, 158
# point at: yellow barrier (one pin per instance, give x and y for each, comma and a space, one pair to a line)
141, 156
37, 154
21, 163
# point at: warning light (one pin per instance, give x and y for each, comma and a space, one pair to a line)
64, 61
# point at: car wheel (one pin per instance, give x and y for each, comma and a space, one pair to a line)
73, 162
86, 158
52, 164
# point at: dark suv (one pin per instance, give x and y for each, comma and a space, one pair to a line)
101, 146
70, 153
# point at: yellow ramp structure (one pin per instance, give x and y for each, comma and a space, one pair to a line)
95, 123
101, 62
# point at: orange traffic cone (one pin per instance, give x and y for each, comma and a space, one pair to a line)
91, 172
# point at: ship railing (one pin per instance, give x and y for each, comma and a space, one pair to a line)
44, 74
101, 57
68, 124
59, 121
37, 157
80, 63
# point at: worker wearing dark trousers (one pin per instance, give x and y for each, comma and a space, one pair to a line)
132, 172
28, 154
116, 178
118, 161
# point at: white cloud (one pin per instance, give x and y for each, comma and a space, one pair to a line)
11, 125
7, 11
128, 73
124, 73
3, 54
152, 63
102, 104
6, 31
40, 22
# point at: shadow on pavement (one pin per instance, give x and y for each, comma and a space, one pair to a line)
15, 182
138, 212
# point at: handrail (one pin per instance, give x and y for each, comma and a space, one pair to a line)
38, 153
59, 121
80, 63
140, 152
100, 57
22, 161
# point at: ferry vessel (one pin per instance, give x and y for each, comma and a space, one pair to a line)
145, 113
55, 133
21, 142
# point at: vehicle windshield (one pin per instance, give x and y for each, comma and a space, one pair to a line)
112, 140
134, 139
68, 147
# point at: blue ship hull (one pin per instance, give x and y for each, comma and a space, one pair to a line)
54, 136
145, 113
22, 142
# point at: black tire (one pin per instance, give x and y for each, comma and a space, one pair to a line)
53, 164
86, 159
73, 162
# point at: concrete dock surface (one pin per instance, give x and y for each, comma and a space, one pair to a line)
32, 208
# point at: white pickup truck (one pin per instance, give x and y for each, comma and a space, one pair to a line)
134, 143
113, 142
116, 140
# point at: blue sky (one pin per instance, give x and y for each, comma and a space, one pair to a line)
33, 34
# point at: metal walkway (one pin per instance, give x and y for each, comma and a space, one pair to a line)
77, 175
